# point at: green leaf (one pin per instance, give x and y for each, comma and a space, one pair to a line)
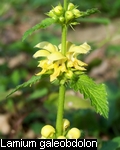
90, 11
43, 24
25, 84
112, 144
71, 101
105, 21
93, 91
38, 94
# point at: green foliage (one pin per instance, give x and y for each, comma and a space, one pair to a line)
9, 77
104, 21
38, 94
49, 21
113, 144
90, 11
43, 24
95, 92
71, 102
109, 8
33, 80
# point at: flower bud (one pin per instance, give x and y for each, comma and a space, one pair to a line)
76, 13
51, 13
71, 6
61, 137
58, 10
61, 19
47, 131
69, 15
62, 81
66, 124
73, 133
55, 18
69, 74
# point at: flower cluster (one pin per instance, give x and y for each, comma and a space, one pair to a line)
48, 132
56, 64
65, 16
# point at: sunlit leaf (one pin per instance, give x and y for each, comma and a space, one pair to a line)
72, 101
93, 91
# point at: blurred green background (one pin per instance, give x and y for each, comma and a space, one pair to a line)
24, 113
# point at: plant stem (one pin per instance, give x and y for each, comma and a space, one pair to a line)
64, 33
59, 121
61, 98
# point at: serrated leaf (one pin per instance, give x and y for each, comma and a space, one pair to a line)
43, 24
93, 91
25, 84
89, 12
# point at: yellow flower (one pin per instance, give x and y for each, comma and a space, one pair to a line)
73, 133
72, 52
49, 51
59, 67
66, 124
53, 60
47, 131
55, 63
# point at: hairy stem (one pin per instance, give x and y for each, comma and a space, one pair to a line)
61, 98
60, 112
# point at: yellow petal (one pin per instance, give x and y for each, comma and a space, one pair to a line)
47, 46
55, 74
69, 45
86, 46
81, 63
41, 53
82, 49
56, 56
43, 64
76, 64
63, 67
69, 64
57, 70
79, 68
